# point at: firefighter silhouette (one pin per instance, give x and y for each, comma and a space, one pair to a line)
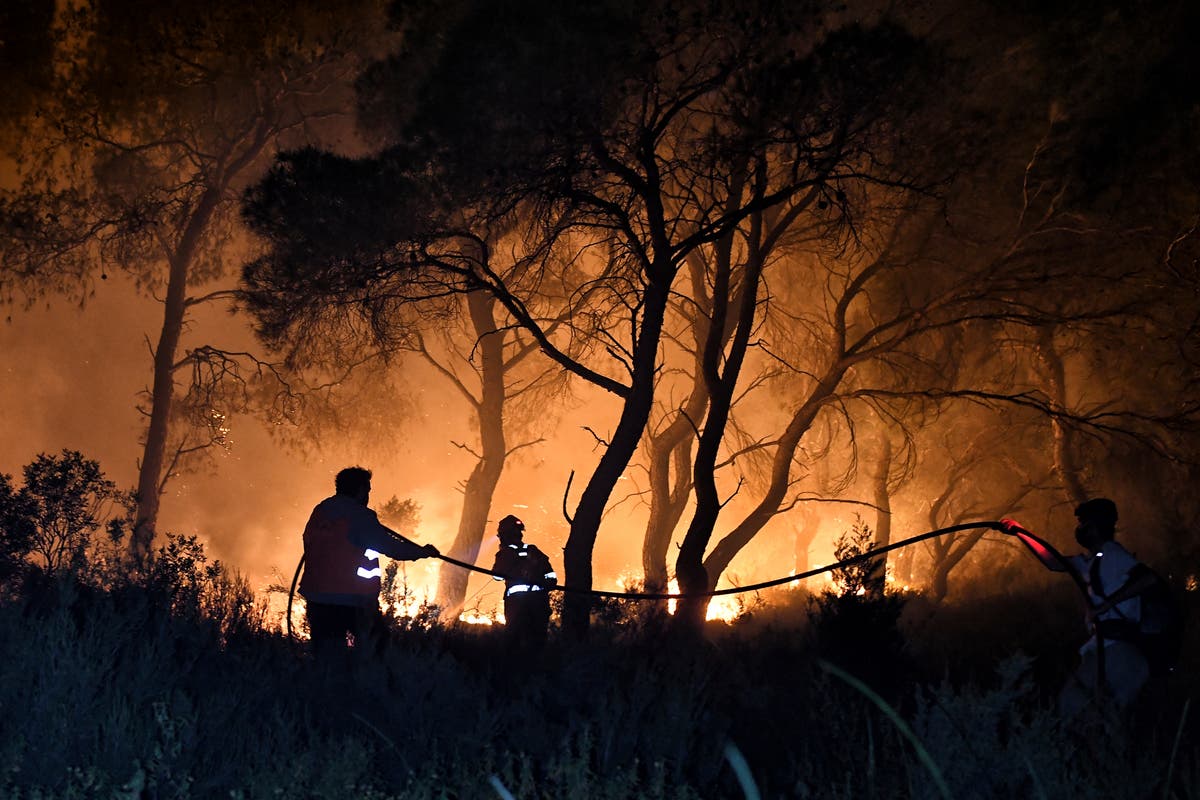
528, 573
342, 544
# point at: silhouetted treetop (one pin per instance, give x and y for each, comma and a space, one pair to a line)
26, 45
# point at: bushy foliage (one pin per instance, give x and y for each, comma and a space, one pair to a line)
402, 516
856, 578
170, 684
54, 516
181, 575
856, 624
16, 528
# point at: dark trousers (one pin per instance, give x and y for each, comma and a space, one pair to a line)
332, 626
526, 617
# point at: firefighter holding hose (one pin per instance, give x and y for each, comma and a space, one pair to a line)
1115, 581
527, 575
1123, 609
342, 544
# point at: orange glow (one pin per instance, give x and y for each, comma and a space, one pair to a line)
725, 608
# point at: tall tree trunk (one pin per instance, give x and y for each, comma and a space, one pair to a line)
689, 566
876, 582
635, 411
481, 484
754, 521
806, 531
1066, 465
154, 453
670, 452
802, 418
670, 482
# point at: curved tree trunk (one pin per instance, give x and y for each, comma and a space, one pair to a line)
670, 484
939, 583
732, 543
481, 484
689, 567
151, 471
635, 412
670, 452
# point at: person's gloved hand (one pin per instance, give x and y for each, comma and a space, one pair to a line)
430, 551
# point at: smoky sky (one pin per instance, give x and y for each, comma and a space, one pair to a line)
71, 378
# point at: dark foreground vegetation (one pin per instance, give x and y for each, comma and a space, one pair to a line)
173, 684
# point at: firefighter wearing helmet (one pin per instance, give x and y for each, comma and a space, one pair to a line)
527, 576
343, 541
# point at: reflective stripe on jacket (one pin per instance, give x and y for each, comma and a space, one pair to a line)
527, 569
521, 588
342, 544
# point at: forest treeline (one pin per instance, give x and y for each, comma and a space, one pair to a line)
933, 260
924, 261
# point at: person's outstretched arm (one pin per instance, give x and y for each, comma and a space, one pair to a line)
369, 533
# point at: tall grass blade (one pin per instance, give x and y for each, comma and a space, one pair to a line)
504, 793
1175, 749
922, 754
870, 754
377, 732
742, 770
1037, 782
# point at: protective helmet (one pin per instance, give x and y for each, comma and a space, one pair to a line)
1099, 509
510, 528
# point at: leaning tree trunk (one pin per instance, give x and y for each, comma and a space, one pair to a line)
635, 412
670, 452
151, 476
472, 527
780, 481
481, 485
670, 481
689, 566
939, 583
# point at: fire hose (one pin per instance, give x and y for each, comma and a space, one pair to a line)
1049, 557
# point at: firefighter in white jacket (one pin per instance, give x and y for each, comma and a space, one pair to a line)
1115, 580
